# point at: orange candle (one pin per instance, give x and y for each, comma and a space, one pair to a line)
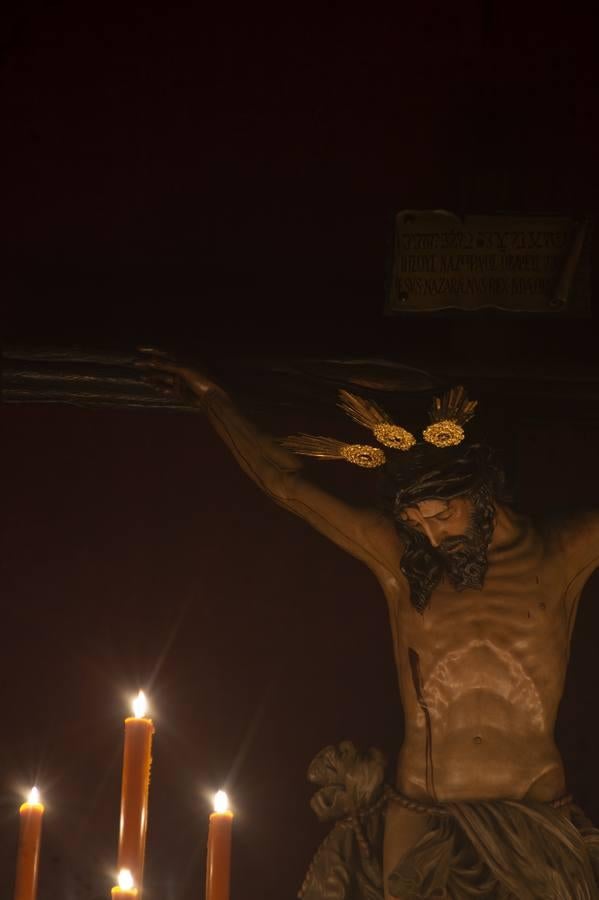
31, 814
126, 889
137, 758
218, 861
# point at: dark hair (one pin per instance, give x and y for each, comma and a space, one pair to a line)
431, 473
443, 474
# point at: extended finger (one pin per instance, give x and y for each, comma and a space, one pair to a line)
164, 388
159, 363
160, 378
153, 351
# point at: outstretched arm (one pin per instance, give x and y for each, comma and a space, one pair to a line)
580, 539
577, 546
366, 534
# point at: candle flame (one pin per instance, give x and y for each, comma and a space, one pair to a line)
140, 705
221, 802
125, 880
34, 796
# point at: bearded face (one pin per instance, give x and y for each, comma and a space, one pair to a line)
446, 538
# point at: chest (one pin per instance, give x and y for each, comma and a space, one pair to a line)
518, 622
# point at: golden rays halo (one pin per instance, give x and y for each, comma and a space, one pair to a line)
328, 448
449, 413
445, 433
371, 416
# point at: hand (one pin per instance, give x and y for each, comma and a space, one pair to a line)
168, 376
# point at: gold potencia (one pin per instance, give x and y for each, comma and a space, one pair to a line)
448, 415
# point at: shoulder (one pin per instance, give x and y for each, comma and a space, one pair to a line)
576, 535
573, 527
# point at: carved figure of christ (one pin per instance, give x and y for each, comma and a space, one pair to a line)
481, 671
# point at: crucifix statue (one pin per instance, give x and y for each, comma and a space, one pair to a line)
482, 603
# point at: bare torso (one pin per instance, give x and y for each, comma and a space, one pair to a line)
481, 675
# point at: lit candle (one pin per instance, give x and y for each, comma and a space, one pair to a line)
31, 814
137, 758
126, 889
218, 861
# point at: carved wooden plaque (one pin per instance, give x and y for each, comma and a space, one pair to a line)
515, 263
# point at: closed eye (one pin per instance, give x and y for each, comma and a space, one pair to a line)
414, 526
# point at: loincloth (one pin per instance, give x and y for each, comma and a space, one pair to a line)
501, 850
487, 849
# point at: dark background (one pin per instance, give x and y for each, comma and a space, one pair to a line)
223, 183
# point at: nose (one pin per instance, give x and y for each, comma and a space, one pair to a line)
434, 532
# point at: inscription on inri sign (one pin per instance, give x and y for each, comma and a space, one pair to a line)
515, 263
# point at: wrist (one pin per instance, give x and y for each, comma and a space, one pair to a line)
211, 395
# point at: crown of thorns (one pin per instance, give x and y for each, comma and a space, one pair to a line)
448, 415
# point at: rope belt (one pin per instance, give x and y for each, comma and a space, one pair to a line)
392, 795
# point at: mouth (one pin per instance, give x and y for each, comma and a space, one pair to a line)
454, 548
